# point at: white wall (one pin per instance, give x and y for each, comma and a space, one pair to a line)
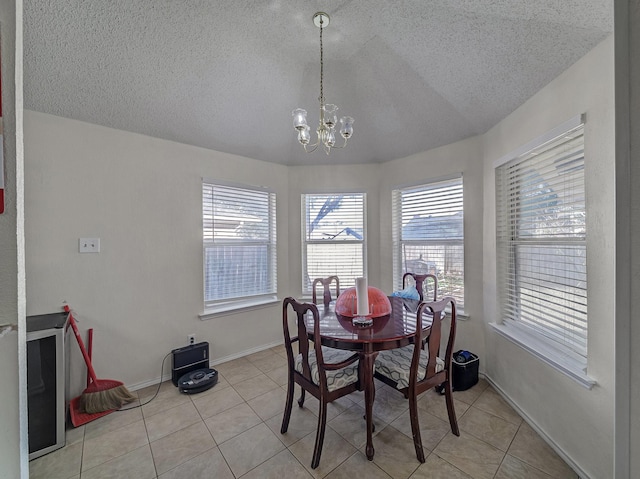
462, 157
13, 407
143, 198
577, 420
633, 57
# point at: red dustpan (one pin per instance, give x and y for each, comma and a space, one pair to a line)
78, 418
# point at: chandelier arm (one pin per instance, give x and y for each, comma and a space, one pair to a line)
313, 147
341, 146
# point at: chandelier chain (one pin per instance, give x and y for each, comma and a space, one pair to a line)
321, 65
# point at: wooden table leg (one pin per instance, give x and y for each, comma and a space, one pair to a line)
368, 360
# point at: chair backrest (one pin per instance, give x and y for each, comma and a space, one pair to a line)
436, 309
326, 283
302, 338
422, 284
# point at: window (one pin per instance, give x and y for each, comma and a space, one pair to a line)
333, 238
541, 242
428, 235
239, 243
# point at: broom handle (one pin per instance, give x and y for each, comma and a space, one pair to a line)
87, 360
89, 352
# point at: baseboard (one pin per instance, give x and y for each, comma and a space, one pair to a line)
244, 353
150, 382
213, 362
536, 428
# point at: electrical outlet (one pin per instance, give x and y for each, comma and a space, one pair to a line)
89, 245
192, 338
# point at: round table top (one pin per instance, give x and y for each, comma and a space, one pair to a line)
390, 331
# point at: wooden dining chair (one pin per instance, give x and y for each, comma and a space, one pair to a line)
327, 373
413, 371
422, 284
326, 283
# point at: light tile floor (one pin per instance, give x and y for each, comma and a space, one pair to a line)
233, 431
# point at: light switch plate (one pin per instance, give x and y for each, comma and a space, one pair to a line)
89, 245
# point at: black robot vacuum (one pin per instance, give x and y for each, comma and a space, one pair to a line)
197, 381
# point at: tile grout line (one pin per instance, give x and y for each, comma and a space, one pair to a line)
246, 402
144, 419
217, 446
84, 432
442, 439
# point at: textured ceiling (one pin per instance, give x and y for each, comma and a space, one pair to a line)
225, 75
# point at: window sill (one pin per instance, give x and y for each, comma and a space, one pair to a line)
232, 307
560, 361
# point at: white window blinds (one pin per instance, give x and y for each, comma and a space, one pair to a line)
333, 238
428, 233
239, 242
541, 242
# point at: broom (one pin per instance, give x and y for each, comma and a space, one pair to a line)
79, 418
101, 394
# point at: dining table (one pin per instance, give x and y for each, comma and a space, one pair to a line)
390, 331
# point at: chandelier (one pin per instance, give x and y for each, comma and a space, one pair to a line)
328, 118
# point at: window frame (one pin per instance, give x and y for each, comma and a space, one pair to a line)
223, 305
344, 282
399, 242
569, 360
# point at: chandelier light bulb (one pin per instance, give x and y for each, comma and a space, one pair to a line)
331, 138
303, 135
328, 117
347, 127
299, 119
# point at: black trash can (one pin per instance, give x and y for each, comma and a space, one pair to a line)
465, 370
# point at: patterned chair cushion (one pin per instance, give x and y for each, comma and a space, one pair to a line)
335, 379
396, 364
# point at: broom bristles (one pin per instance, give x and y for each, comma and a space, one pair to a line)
96, 401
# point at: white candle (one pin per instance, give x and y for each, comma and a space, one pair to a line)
362, 296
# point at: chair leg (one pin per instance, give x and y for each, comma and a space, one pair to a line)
450, 410
287, 407
322, 422
373, 426
415, 427
301, 398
